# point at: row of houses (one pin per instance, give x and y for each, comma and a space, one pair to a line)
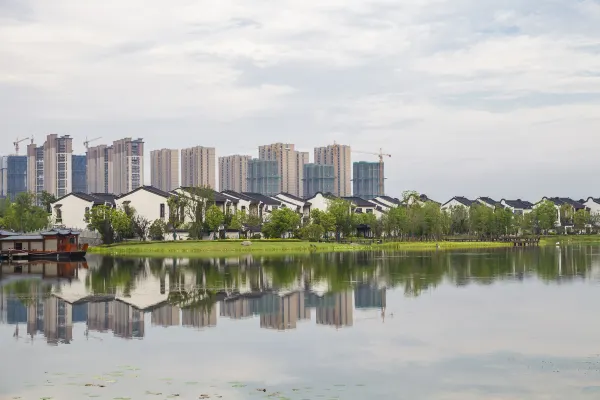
152, 204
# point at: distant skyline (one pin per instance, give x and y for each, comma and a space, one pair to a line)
471, 98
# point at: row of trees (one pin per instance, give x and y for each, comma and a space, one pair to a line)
23, 214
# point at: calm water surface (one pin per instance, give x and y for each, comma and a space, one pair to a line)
507, 324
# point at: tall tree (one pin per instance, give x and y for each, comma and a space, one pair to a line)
23, 215
282, 221
46, 199
214, 219
545, 215
581, 219
197, 201
342, 212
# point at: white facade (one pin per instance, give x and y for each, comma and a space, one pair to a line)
318, 202
243, 204
147, 204
304, 206
593, 204
70, 211
452, 203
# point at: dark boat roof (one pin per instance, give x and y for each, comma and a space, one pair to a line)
40, 236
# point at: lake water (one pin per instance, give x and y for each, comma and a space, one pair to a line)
495, 324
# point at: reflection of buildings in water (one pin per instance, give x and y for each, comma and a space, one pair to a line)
368, 296
52, 317
335, 309
166, 315
129, 321
199, 318
122, 319
241, 307
283, 312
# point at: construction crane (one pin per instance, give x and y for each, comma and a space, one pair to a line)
16, 143
381, 155
87, 142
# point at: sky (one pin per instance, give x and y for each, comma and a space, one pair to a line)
494, 98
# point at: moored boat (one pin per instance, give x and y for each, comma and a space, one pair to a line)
61, 245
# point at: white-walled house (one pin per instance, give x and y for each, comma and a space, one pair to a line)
226, 204
558, 203
488, 202
319, 201
148, 202
518, 207
362, 206
70, 210
593, 204
384, 207
265, 204
302, 206
458, 201
242, 202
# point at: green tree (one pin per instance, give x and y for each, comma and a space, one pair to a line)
312, 232
214, 219
327, 222
566, 214
235, 221
177, 207
23, 215
581, 218
141, 226
157, 230
282, 220
111, 224
460, 219
545, 216
342, 213
46, 199
197, 200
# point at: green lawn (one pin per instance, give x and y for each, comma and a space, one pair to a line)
216, 248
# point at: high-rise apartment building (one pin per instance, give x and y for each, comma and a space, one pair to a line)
79, 173
35, 168
301, 161
233, 173
100, 169
164, 169
198, 167
366, 180
318, 178
263, 177
13, 176
340, 157
128, 165
290, 164
49, 167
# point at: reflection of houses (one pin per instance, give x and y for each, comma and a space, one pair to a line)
101, 316
52, 317
367, 296
129, 321
166, 315
199, 318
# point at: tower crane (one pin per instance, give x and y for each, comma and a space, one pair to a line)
381, 155
16, 143
87, 142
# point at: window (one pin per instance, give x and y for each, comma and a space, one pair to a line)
369, 211
162, 210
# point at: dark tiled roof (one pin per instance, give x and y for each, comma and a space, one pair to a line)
95, 198
60, 232
594, 199
519, 204
379, 203
217, 197
236, 195
263, 199
462, 200
425, 199
291, 196
359, 202
22, 237
150, 189
488, 200
327, 195
559, 201
390, 199
7, 233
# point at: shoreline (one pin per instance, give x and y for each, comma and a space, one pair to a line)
266, 247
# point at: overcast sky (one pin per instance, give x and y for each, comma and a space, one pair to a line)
494, 98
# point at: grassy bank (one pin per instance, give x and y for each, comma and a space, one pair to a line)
223, 248
551, 240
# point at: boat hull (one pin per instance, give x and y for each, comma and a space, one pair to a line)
58, 255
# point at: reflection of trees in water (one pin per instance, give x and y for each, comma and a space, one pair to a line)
415, 272
28, 291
